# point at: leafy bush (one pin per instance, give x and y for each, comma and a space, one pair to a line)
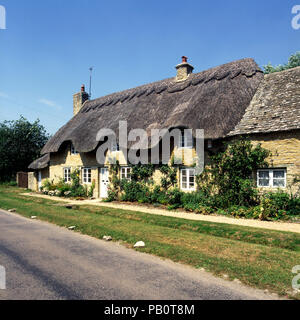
173, 197
169, 178
229, 177
195, 200
9, 184
281, 201
134, 191
112, 195
65, 189
142, 173
62, 189
91, 190
240, 212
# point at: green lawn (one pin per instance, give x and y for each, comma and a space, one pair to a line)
258, 257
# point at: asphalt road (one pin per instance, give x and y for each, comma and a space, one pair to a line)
43, 261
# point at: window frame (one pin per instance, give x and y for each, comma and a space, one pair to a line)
114, 147
126, 173
271, 177
188, 182
86, 177
67, 177
184, 140
73, 151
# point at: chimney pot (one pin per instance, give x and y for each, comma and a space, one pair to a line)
184, 59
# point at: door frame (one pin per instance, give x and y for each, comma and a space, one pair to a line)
100, 180
39, 180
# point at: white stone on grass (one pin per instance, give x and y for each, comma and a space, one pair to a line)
140, 244
72, 228
33, 217
107, 238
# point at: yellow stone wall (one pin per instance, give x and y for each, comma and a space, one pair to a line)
64, 159
33, 179
285, 149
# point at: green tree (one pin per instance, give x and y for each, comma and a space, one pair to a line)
20, 144
294, 61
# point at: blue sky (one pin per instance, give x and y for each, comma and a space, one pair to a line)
49, 45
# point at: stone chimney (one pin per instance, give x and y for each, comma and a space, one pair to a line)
184, 69
79, 99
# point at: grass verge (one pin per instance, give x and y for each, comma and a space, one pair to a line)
257, 257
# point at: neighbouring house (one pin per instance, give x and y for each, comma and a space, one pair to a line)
227, 101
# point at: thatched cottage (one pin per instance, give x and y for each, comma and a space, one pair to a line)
227, 101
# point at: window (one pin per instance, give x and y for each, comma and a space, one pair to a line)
187, 178
87, 175
67, 175
186, 139
73, 150
271, 178
125, 173
115, 147
209, 144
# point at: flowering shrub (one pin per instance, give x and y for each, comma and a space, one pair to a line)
73, 189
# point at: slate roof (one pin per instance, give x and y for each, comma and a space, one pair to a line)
275, 106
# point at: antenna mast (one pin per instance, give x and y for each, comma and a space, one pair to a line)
91, 72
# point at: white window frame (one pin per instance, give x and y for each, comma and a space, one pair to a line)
67, 175
188, 176
271, 177
73, 150
115, 147
185, 141
126, 171
87, 175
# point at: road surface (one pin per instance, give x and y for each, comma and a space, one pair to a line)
46, 262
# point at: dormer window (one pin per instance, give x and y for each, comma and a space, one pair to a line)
73, 150
186, 139
115, 147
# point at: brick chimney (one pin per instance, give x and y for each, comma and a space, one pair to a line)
79, 99
184, 69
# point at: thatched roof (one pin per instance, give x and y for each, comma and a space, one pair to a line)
40, 163
275, 106
214, 100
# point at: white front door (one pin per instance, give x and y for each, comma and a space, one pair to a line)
40, 180
104, 182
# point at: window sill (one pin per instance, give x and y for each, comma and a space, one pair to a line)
271, 188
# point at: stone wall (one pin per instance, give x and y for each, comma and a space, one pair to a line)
64, 159
32, 181
285, 149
